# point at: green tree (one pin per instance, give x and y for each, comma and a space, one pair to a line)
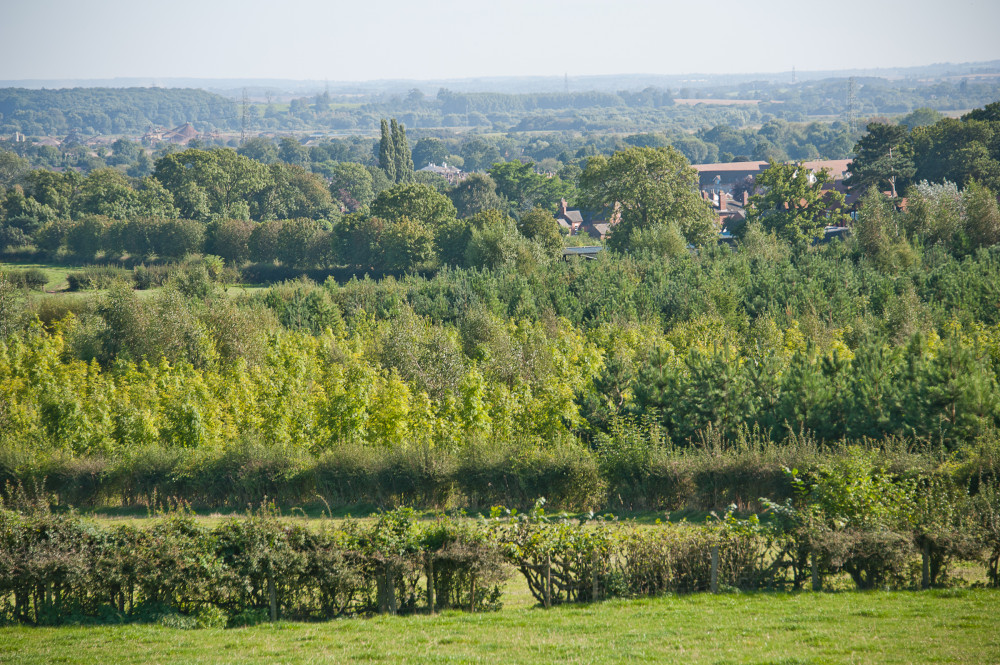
429, 151
982, 215
476, 193
351, 184
884, 159
520, 184
12, 168
935, 214
647, 187
124, 152
791, 201
401, 153
260, 148
292, 191
478, 155
418, 202
877, 231
230, 239
291, 151
406, 245
494, 242
211, 182
539, 225
920, 117
387, 159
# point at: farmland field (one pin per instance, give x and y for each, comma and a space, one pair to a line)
954, 626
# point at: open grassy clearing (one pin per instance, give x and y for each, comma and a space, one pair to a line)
877, 627
56, 273
58, 282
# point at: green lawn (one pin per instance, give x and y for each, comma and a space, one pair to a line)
879, 627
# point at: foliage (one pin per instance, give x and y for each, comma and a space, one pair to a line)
792, 202
646, 187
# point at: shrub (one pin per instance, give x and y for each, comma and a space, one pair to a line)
32, 278
873, 559
466, 567
561, 560
148, 277
567, 475
96, 277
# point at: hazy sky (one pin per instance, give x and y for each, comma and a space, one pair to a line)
378, 39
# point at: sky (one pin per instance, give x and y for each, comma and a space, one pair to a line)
364, 40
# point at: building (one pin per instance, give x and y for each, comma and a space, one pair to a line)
450, 173
717, 178
597, 225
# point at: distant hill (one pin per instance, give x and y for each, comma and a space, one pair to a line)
112, 110
514, 84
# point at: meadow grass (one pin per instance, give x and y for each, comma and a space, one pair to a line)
55, 273
954, 626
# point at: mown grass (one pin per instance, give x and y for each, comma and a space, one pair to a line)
876, 627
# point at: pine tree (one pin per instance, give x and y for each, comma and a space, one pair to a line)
387, 152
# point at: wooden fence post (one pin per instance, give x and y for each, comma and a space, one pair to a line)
430, 581
715, 569
817, 583
272, 596
548, 581
390, 588
925, 581
593, 567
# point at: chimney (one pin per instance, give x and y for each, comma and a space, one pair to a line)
562, 202
746, 198
722, 201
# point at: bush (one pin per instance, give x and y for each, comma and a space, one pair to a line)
385, 477
149, 277
567, 475
873, 559
32, 278
96, 277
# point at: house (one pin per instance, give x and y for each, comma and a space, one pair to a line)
450, 173
597, 230
181, 135
730, 212
569, 218
596, 225
717, 178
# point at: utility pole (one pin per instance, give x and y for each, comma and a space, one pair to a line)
852, 105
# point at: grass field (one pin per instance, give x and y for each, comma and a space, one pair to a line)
851, 627
56, 273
